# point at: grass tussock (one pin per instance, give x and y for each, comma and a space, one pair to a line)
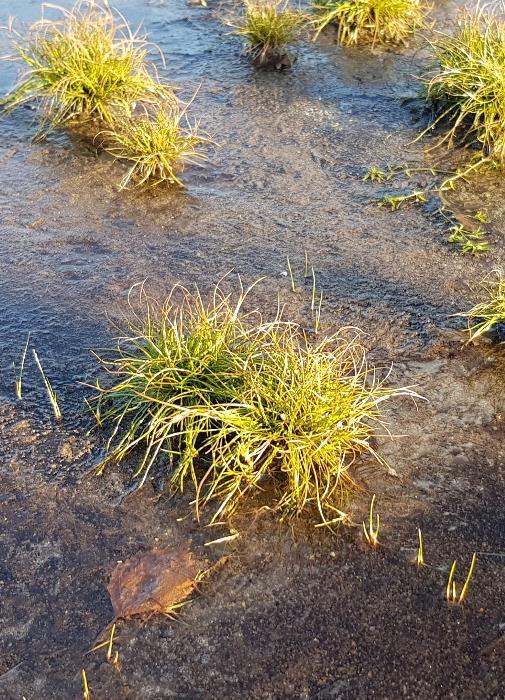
370, 21
230, 403
489, 314
269, 28
87, 64
158, 143
467, 86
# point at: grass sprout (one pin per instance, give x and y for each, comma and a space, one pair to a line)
471, 242
451, 590
291, 276
86, 694
372, 531
467, 86
269, 28
376, 174
486, 315
87, 64
232, 404
370, 21
420, 549
481, 217
158, 143
394, 202
19, 377
53, 399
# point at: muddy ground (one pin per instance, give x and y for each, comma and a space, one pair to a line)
292, 613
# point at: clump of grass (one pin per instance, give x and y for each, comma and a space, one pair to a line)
269, 28
158, 143
305, 414
87, 64
370, 21
470, 241
490, 313
467, 86
174, 363
230, 404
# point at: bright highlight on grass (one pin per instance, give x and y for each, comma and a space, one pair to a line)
370, 21
451, 590
372, 531
485, 316
467, 86
158, 143
269, 28
231, 404
85, 64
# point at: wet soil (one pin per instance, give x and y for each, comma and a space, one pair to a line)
291, 614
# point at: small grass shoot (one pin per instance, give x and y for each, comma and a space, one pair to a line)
420, 549
87, 64
229, 403
269, 28
19, 377
370, 21
486, 315
451, 590
87, 693
481, 217
291, 277
376, 174
372, 531
158, 143
395, 202
470, 241
53, 399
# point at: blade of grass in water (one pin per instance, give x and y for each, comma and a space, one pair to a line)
50, 391
19, 378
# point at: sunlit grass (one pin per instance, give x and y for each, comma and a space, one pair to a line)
173, 363
87, 63
487, 314
372, 531
268, 27
395, 202
19, 374
158, 143
232, 404
467, 86
451, 589
370, 21
51, 394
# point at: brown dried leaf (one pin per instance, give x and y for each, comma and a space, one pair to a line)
152, 582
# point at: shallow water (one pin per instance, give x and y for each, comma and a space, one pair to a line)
285, 180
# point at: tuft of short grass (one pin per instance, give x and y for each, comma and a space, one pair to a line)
173, 363
231, 404
485, 316
370, 21
467, 87
158, 143
268, 27
87, 64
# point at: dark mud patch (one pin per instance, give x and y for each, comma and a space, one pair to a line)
302, 615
